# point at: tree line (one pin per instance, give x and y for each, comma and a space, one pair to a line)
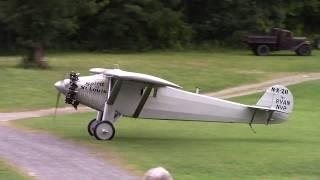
145, 24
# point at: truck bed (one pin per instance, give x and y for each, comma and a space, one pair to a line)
261, 40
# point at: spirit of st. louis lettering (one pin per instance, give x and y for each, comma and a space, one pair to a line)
97, 87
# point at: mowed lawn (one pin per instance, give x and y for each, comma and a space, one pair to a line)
25, 89
200, 151
7, 172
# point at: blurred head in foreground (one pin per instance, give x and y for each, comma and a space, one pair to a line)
158, 173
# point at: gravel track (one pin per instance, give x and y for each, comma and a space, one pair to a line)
46, 157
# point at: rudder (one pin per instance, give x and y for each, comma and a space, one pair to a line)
277, 97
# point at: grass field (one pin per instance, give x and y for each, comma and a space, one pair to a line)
25, 89
8, 173
193, 151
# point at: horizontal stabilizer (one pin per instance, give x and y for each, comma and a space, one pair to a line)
264, 108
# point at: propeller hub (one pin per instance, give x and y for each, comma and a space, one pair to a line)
61, 85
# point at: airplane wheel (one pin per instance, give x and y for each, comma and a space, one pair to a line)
92, 124
104, 130
262, 50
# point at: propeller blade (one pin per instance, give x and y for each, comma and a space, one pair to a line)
58, 99
57, 104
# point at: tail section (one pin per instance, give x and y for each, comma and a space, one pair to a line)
278, 98
273, 107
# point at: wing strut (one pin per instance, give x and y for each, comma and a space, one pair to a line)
251, 121
270, 113
142, 101
114, 92
269, 117
105, 109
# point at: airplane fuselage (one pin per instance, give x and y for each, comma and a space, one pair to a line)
167, 103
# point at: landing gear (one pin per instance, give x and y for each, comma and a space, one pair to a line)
102, 126
104, 130
101, 130
92, 124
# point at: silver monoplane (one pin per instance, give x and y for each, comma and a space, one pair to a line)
114, 93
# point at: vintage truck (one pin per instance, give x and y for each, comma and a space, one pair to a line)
279, 39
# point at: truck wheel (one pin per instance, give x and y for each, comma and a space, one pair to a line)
262, 50
304, 50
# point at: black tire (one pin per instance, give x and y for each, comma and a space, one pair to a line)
91, 126
304, 50
262, 50
104, 130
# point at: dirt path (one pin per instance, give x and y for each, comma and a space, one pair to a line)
259, 87
40, 113
46, 157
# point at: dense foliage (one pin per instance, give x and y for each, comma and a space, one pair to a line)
147, 24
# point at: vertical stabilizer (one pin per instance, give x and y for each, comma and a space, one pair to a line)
277, 97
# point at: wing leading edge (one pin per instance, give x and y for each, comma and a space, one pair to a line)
132, 76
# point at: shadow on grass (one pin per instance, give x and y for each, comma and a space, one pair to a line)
281, 55
272, 54
208, 140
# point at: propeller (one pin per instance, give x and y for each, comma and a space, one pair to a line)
72, 93
58, 99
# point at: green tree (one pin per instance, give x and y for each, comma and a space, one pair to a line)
38, 23
303, 16
136, 25
231, 19
7, 41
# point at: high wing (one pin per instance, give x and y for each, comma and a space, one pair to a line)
98, 70
132, 76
